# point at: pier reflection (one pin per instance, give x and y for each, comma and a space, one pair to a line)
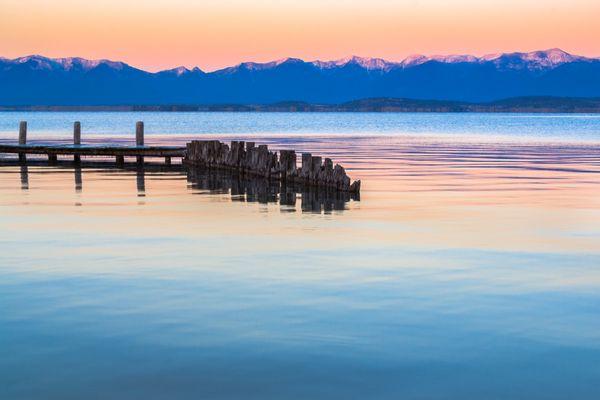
260, 190
290, 197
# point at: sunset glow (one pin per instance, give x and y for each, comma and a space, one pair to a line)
159, 34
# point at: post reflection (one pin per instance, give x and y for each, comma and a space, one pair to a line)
240, 188
78, 178
141, 180
24, 177
263, 191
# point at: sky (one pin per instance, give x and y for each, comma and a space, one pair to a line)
161, 34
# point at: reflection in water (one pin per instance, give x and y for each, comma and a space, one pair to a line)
78, 178
24, 177
260, 190
77, 171
466, 271
241, 188
141, 180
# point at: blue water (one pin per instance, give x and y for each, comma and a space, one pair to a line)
566, 127
469, 269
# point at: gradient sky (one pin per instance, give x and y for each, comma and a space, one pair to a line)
160, 34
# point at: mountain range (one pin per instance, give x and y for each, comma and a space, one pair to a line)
37, 80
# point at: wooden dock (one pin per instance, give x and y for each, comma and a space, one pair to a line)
243, 157
52, 151
94, 150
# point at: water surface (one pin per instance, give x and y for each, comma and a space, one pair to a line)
531, 127
468, 269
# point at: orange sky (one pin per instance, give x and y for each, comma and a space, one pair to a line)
159, 34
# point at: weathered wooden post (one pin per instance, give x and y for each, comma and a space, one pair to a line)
77, 133
139, 138
139, 133
22, 139
77, 139
52, 158
306, 165
120, 160
23, 132
167, 160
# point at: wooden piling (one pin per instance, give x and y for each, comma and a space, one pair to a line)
120, 160
22, 139
139, 133
77, 139
52, 158
167, 160
23, 132
77, 133
139, 138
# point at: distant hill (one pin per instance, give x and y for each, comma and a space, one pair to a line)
519, 104
551, 74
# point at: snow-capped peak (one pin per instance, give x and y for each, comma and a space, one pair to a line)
455, 58
365, 62
181, 70
40, 62
67, 63
542, 59
414, 59
447, 59
418, 59
178, 70
256, 66
554, 56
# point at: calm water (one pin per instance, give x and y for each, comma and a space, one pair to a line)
470, 267
539, 127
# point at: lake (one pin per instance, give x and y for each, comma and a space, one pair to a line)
469, 268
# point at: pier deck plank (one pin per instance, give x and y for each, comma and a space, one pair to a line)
94, 150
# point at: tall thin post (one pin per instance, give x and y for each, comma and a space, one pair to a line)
139, 138
77, 139
22, 139
77, 132
23, 132
139, 133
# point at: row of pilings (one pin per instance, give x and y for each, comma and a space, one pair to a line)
247, 158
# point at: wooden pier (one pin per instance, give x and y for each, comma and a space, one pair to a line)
245, 158
77, 150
